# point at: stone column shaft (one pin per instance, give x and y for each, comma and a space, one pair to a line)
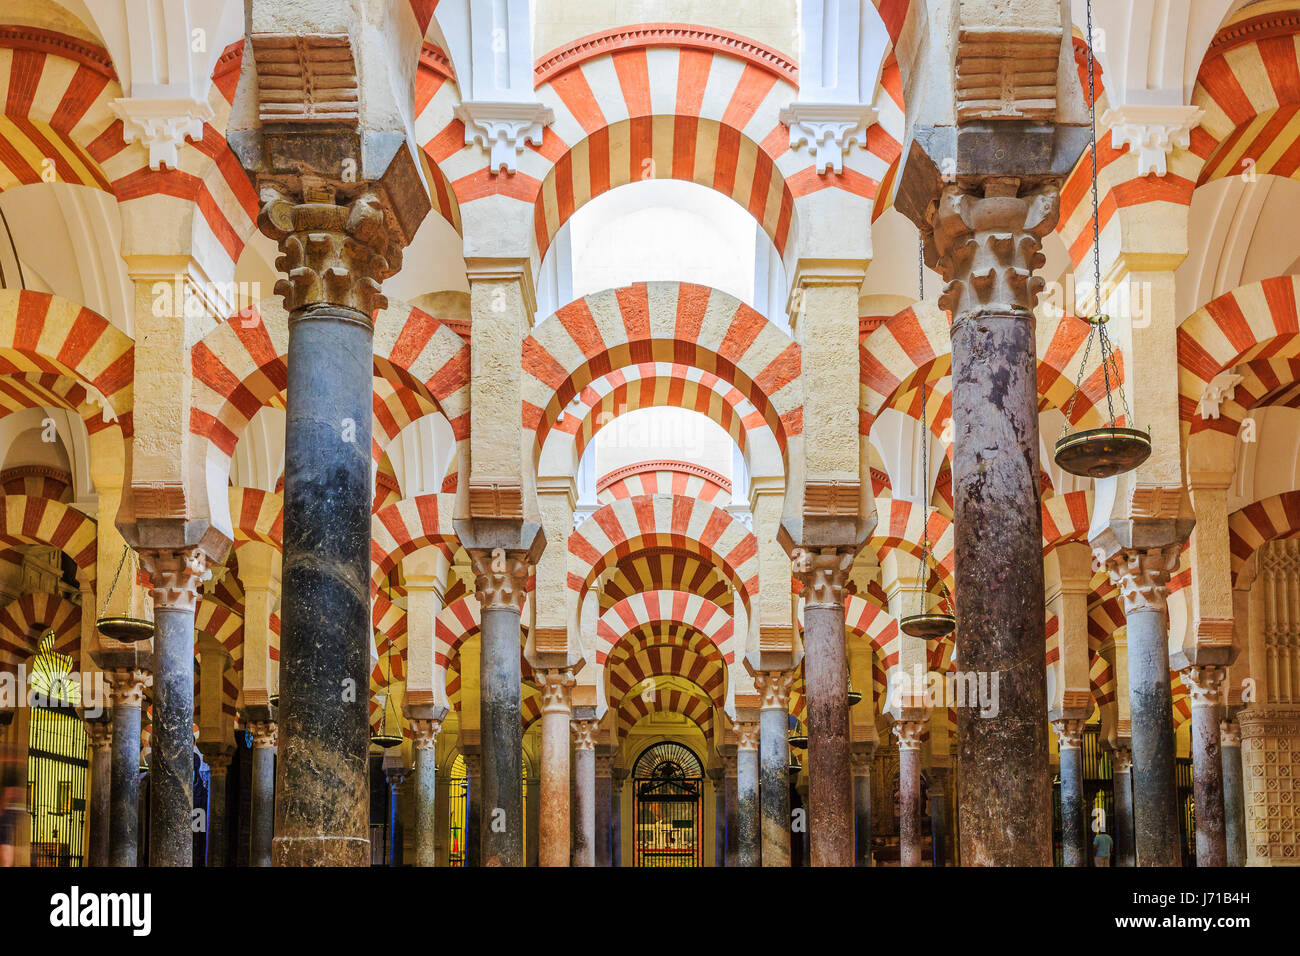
426, 790
1074, 834
553, 821
127, 690
1234, 797
748, 847
263, 815
733, 809
219, 765
938, 793
774, 761
584, 792
616, 819
603, 797
100, 735
909, 734
862, 807
1206, 684
1122, 780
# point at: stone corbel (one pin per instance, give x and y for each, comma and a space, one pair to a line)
1222, 388
504, 129
829, 130
1152, 132
162, 125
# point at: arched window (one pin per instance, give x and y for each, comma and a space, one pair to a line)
667, 788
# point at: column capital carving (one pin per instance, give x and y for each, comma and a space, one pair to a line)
861, 762
1121, 760
218, 762
555, 683
425, 730
174, 576
824, 574
1142, 576
909, 733
500, 578
503, 129
334, 250
161, 125
774, 688
1069, 732
604, 765
747, 734
584, 733
1204, 683
99, 733
126, 686
265, 733
986, 241
1229, 733
1151, 132
829, 130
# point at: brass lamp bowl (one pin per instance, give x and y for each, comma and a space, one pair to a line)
127, 630
794, 769
797, 741
1103, 452
854, 697
385, 741
928, 626
274, 700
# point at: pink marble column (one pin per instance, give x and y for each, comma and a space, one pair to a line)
909, 734
584, 790
553, 819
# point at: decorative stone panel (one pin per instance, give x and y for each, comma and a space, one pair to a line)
1270, 759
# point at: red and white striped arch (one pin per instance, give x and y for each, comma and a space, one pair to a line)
626, 526
1066, 518
257, 515
691, 704
649, 608
628, 667
666, 568
1268, 519
26, 619
49, 522
681, 478
671, 322
902, 524
407, 526
1251, 323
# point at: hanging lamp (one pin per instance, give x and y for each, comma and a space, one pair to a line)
854, 696
386, 738
1111, 449
938, 622
127, 630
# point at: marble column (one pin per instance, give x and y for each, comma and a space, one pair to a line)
603, 798
826, 672
265, 739
774, 762
862, 760
1234, 797
1074, 833
1122, 780
219, 765
532, 819
126, 688
557, 711
985, 238
99, 734
473, 847
500, 582
1205, 684
1143, 579
909, 734
335, 252
731, 767
938, 792
748, 847
584, 791
173, 584
425, 771
441, 822
394, 776
616, 817
718, 777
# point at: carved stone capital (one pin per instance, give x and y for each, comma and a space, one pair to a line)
987, 245
503, 129
161, 125
1204, 684
909, 733
218, 763
1069, 732
174, 577
824, 573
1121, 760
425, 731
99, 733
1229, 733
861, 762
747, 734
584, 733
604, 765
265, 733
331, 254
1142, 576
774, 688
126, 686
829, 130
500, 578
555, 683
1151, 132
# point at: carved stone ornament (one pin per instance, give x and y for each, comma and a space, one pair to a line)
1069, 733
584, 734
774, 688
823, 573
174, 577
265, 733
500, 578
909, 733
425, 731
555, 684
747, 733
126, 686
1142, 576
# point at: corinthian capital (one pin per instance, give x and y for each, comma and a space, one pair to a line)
425, 731
774, 688
824, 573
126, 686
909, 733
987, 244
174, 577
555, 684
500, 578
1069, 733
584, 734
747, 733
264, 733
1142, 576
1204, 683
99, 733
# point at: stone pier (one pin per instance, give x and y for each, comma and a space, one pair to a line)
748, 845
584, 727
1205, 684
1234, 797
863, 759
99, 734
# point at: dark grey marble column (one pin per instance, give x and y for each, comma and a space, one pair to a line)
1143, 579
219, 767
394, 778
127, 690
1234, 797
99, 734
1205, 684
863, 759
501, 580
774, 762
748, 845
985, 238
263, 811
532, 820
730, 767
1122, 781
474, 810
1074, 833
938, 794
426, 789
584, 788
910, 734
616, 818
173, 585
826, 675
604, 798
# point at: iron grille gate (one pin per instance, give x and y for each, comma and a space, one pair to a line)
56, 769
667, 802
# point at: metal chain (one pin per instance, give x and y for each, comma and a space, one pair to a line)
925, 443
126, 549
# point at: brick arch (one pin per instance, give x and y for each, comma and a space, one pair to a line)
257, 515
870, 620
673, 322
695, 707
1252, 322
653, 609
44, 338
49, 522
407, 526
901, 525
24, 620
1251, 527
628, 525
